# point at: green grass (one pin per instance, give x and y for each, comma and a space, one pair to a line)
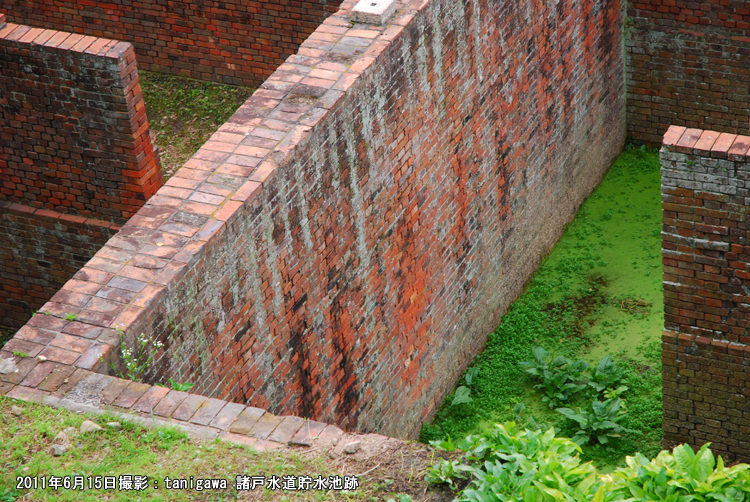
184, 113
598, 292
26, 441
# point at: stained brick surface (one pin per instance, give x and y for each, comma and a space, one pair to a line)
687, 64
73, 132
343, 245
706, 254
234, 41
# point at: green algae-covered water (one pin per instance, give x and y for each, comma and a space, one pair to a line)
598, 292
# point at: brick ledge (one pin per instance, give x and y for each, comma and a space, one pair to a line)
215, 418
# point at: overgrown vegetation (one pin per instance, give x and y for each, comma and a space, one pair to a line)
183, 113
597, 293
507, 463
564, 380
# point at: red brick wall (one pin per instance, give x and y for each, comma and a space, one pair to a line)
705, 393
732, 17
238, 42
687, 64
73, 131
41, 250
343, 245
706, 350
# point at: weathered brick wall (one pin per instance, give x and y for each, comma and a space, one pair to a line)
343, 245
238, 42
687, 64
41, 250
73, 131
706, 348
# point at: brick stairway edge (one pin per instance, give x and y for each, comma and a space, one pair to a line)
205, 418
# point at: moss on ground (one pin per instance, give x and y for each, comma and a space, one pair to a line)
598, 292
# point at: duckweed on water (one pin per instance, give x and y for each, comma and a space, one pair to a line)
598, 292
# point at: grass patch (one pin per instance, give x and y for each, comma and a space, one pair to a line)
598, 292
26, 441
183, 113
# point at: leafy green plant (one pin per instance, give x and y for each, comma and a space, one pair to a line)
507, 464
462, 394
606, 375
613, 393
681, 475
71, 317
450, 472
601, 423
541, 363
138, 359
559, 378
175, 385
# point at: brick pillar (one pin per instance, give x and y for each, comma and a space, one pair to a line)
706, 255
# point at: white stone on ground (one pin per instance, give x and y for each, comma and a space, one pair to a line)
89, 426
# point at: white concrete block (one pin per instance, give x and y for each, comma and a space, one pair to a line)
373, 11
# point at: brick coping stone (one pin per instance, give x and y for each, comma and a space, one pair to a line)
249, 147
54, 215
735, 147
